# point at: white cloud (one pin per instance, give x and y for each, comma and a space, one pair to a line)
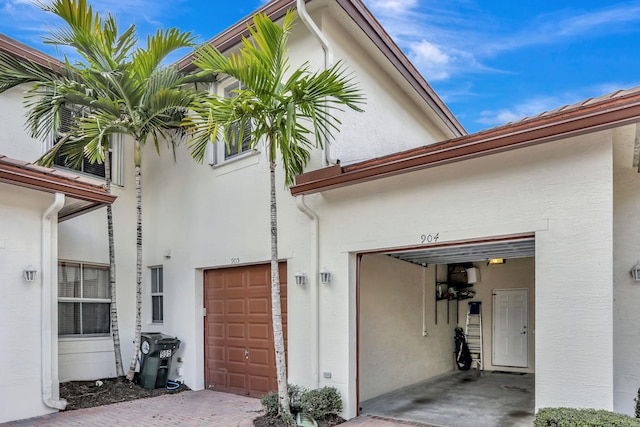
431, 60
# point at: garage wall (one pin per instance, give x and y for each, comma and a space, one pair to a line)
396, 297
514, 274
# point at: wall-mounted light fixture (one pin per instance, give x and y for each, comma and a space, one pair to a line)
494, 261
30, 273
301, 278
635, 272
325, 276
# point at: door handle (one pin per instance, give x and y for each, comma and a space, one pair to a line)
246, 353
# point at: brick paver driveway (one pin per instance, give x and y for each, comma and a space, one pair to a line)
190, 408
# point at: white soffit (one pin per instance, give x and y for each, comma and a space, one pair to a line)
508, 249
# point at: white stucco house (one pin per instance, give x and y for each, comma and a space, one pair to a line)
413, 195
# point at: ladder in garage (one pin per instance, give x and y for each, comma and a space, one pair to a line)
473, 333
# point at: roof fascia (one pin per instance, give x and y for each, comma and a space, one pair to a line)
592, 118
52, 184
22, 51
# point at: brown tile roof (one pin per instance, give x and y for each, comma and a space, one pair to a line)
615, 109
23, 174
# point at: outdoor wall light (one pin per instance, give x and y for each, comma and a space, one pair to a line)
301, 278
494, 261
635, 272
325, 276
30, 273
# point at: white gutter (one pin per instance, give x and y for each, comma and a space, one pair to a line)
328, 63
49, 305
315, 285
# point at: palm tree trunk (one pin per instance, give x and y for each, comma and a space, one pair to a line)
138, 330
115, 331
276, 309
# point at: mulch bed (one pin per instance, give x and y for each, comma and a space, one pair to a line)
270, 421
86, 394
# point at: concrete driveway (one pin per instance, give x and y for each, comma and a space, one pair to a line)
190, 408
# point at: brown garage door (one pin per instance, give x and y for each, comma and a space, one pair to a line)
239, 355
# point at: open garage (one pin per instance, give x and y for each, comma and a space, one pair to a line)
410, 303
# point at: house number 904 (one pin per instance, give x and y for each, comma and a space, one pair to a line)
235, 261
429, 238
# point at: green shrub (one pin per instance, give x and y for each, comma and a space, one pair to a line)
571, 417
321, 402
271, 403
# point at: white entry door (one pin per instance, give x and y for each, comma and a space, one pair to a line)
510, 333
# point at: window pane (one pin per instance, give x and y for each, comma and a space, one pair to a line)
95, 318
160, 279
157, 310
96, 283
69, 280
233, 136
68, 318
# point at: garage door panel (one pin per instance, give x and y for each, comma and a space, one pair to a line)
260, 357
236, 330
216, 330
215, 307
235, 306
260, 306
216, 353
259, 384
238, 381
238, 303
260, 332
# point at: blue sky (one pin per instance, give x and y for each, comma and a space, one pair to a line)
490, 61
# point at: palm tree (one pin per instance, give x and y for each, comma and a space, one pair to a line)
123, 90
285, 108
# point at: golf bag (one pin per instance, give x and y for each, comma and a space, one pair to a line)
463, 357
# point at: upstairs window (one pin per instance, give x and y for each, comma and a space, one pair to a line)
84, 299
236, 147
67, 116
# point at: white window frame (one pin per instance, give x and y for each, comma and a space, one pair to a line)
217, 153
156, 271
82, 300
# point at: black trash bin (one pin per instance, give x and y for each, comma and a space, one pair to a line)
155, 359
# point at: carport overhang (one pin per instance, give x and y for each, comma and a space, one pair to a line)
596, 114
82, 195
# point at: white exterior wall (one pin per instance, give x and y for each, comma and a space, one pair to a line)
539, 190
20, 302
16, 142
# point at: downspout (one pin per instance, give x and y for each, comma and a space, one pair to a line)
49, 258
315, 285
328, 63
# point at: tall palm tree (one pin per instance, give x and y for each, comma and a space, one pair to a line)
286, 108
122, 88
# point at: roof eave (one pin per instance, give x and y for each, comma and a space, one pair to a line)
601, 116
50, 183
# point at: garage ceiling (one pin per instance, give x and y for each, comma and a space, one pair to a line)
508, 249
